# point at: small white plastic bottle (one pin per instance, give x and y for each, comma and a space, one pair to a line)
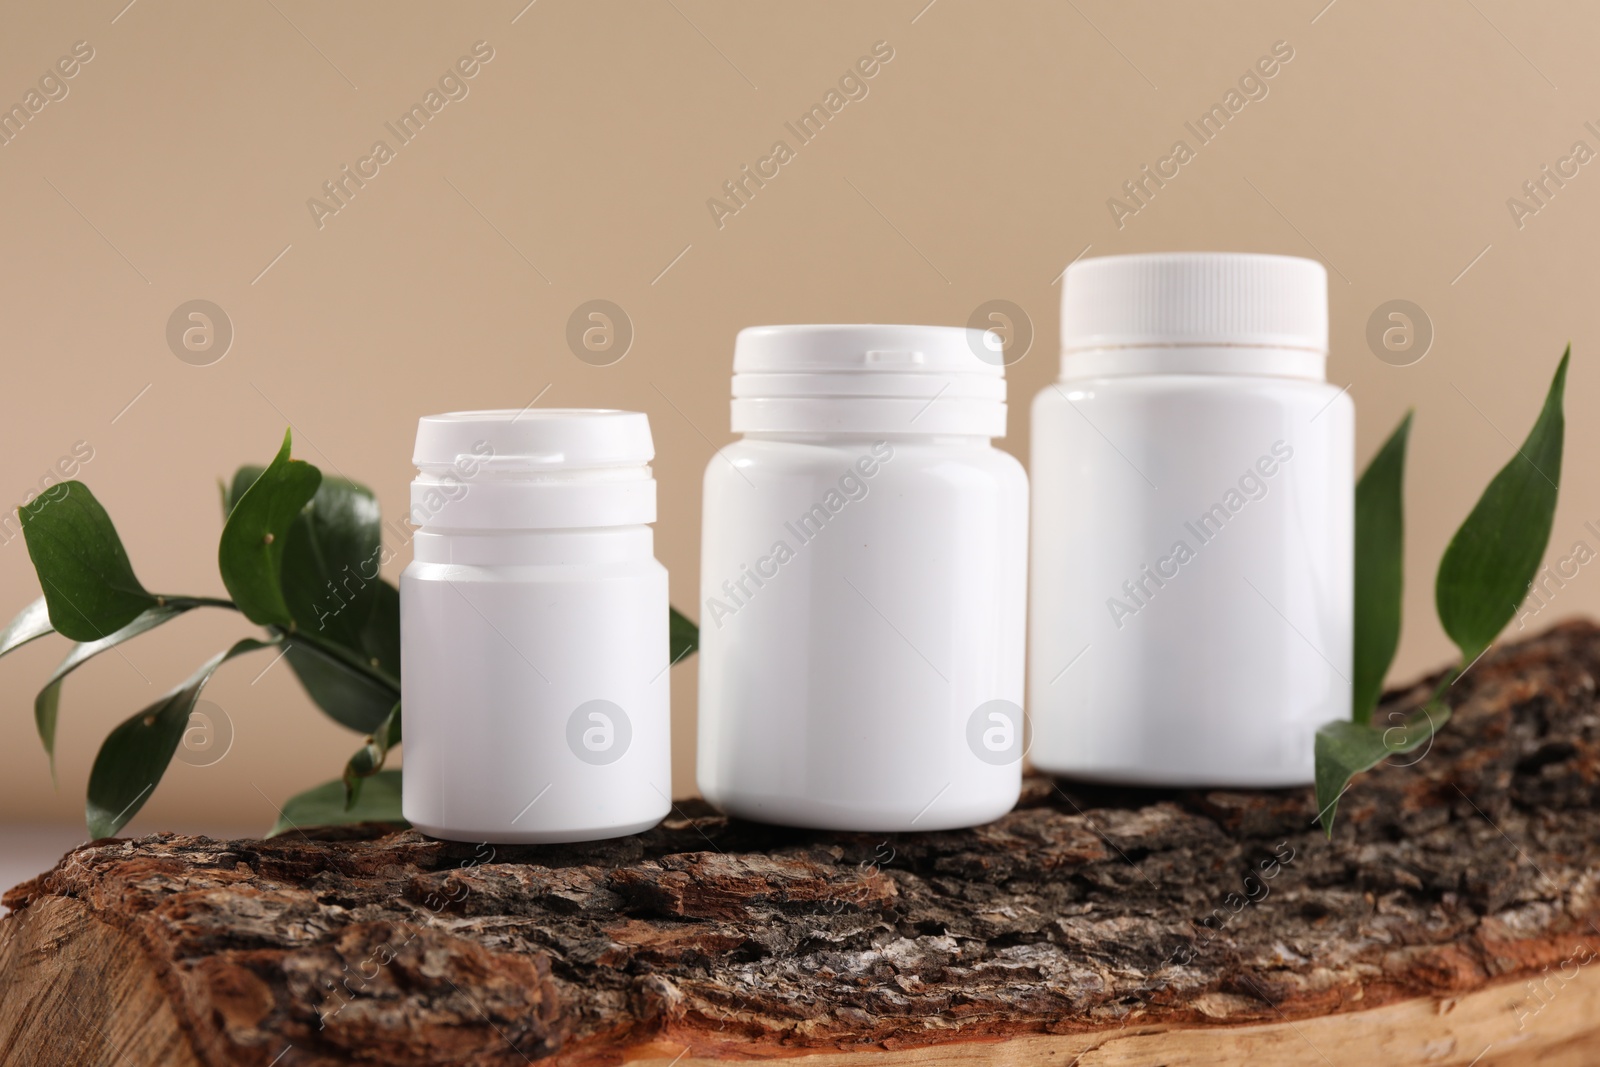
533, 625
863, 580
1192, 578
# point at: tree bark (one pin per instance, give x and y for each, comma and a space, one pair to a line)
1453, 919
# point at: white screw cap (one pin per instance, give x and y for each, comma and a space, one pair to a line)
1163, 299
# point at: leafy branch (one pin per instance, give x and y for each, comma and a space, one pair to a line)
1485, 573
300, 556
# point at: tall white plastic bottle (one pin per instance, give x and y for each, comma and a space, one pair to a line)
863, 577
1192, 525
533, 627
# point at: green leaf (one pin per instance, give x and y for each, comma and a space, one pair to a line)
1380, 544
135, 755
351, 696
330, 562
88, 583
1345, 749
243, 478
48, 702
684, 636
369, 758
1486, 571
324, 805
380, 637
348, 693
332, 545
255, 534
31, 622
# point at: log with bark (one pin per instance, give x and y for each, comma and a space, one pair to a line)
1451, 920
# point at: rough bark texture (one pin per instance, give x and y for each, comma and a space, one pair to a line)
1095, 915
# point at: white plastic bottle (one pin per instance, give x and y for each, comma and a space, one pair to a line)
533, 626
863, 578
1192, 576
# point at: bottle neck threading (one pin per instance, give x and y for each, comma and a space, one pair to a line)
1256, 361
577, 545
853, 438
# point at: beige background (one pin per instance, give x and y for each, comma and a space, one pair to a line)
180, 163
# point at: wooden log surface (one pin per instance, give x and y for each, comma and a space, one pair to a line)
1453, 919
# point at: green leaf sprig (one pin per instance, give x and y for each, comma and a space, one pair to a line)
299, 555
1486, 571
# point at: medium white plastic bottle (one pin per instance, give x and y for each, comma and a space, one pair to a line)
533, 625
1192, 586
863, 578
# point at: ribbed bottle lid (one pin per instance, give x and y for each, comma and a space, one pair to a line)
536, 438
868, 379
537, 468
1195, 298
